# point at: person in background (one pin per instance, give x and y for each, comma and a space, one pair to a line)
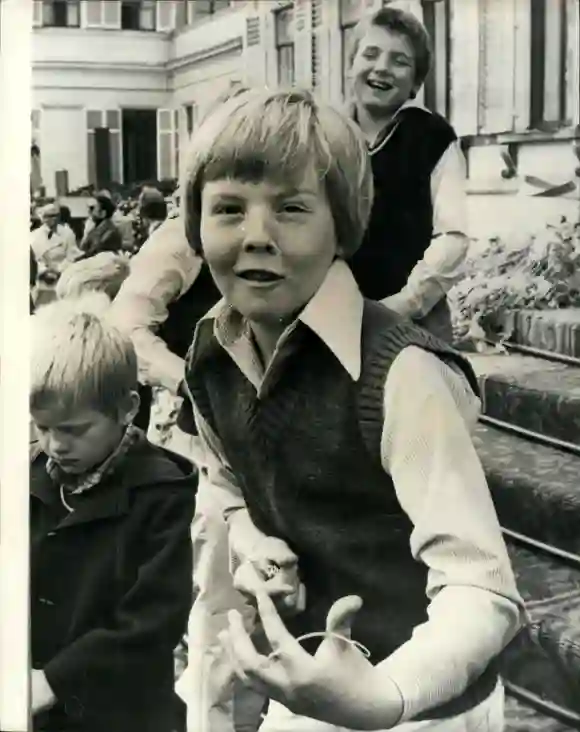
167, 291
152, 212
110, 553
337, 445
104, 236
416, 240
54, 245
32, 277
65, 219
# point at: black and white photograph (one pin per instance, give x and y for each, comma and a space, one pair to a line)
290, 365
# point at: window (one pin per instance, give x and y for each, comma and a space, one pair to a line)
138, 15
351, 11
61, 13
284, 20
190, 115
204, 8
436, 17
109, 120
550, 41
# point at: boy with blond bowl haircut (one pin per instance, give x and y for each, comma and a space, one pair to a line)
110, 513
338, 445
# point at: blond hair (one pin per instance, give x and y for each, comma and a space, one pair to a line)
105, 272
79, 358
278, 135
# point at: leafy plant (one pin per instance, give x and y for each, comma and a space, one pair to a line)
500, 280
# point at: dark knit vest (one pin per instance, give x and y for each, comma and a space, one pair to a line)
183, 314
401, 224
307, 458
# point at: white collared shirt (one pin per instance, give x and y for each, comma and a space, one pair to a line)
426, 447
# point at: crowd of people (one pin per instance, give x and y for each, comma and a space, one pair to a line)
325, 540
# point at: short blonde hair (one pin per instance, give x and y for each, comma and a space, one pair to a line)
105, 272
79, 358
262, 134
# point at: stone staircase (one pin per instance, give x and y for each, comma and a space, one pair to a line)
529, 444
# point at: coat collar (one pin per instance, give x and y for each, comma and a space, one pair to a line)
144, 465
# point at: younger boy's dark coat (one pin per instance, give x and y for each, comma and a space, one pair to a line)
111, 590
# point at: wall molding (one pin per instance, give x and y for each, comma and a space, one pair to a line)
232, 44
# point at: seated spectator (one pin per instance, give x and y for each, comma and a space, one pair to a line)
105, 236
53, 244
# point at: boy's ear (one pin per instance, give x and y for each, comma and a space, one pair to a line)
128, 411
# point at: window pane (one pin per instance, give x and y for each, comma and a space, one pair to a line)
113, 121
164, 120
202, 7
92, 169
147, 15
73, 14
220, 5
284, 29
165, 155
351, 11
347, 48
94, 119
286, 65
47, 13
115, 148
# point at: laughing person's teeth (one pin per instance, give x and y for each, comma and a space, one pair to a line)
381, 86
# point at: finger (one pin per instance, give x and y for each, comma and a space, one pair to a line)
342, 614
281, 641
276, 551
249, 666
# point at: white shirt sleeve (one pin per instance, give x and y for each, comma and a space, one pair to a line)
475, 608
442, 264
161, 271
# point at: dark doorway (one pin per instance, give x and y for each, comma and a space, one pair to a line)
102, 156
139, 145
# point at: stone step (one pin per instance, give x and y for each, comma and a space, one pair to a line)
536, 489
551, 330
522, 718
545, 658
537, 395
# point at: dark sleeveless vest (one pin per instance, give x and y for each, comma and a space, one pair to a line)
401, 224
307, 458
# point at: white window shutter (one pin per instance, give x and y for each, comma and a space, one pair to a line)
165, 143
522, 65
573, 63
166, 14
37, 13
464, 66
496, 66
111, 13
92, 14
302, 44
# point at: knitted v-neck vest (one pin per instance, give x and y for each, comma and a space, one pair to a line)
307, 458
401, 222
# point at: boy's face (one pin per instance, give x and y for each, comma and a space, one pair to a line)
80, 439
269, 246
383, 70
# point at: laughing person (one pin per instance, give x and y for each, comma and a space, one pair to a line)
337, 443
416, 242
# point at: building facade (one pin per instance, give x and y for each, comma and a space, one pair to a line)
119, 85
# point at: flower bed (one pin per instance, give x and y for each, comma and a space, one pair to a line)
499, 281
